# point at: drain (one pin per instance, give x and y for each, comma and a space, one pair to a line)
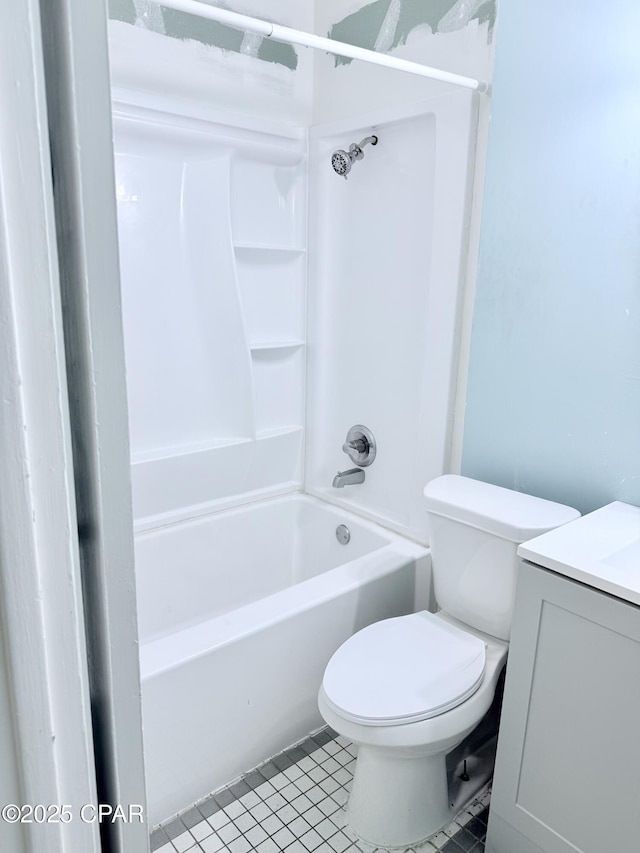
343, 534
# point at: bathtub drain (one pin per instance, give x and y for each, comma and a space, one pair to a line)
343, 534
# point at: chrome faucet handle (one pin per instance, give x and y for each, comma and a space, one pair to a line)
360, 445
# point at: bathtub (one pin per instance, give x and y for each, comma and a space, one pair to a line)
239, 612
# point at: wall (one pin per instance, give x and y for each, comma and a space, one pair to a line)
455, 35
155, 49
160, 51
553, 402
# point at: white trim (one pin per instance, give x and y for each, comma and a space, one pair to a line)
291, 36
40, 585
79, 114
469, 291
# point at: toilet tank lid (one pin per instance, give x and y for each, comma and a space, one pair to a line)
501, 512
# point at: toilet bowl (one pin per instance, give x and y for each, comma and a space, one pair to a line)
408, 690
399, 795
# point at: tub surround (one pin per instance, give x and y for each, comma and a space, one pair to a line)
243, 348
383, 301
212, 248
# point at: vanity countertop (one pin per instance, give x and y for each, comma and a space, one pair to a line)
601, 549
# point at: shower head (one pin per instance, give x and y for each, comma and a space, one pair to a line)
342, 161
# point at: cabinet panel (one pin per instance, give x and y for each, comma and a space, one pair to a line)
568, 746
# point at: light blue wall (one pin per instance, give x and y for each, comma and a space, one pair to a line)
553, 404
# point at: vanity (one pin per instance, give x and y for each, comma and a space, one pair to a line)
567, 775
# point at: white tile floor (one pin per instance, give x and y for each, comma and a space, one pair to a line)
295, 803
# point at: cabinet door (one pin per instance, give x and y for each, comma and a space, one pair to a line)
568, 763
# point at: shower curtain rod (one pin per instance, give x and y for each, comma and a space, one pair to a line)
291, 36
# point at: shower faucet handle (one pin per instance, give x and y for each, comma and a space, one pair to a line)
360, 445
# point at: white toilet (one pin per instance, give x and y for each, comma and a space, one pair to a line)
408, 690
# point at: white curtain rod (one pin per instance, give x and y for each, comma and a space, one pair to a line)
291, 36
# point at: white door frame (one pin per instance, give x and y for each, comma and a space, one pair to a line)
76, 722
40, 585
75, 49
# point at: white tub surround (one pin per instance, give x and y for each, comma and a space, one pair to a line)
386, 270
239, 614
212, 216
213, 231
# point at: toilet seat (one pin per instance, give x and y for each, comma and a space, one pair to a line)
403, 670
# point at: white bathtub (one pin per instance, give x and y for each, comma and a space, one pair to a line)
239, 613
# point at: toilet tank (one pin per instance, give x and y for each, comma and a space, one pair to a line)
474, 530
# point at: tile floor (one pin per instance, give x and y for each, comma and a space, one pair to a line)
295, 803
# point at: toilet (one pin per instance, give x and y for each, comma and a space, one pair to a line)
408, 690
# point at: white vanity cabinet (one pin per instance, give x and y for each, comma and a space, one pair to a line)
567, 774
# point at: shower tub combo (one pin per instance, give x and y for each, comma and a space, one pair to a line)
244, 591
239, 613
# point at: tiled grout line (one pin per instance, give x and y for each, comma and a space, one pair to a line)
250, 781
294, 802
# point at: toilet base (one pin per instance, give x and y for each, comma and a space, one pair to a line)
398, 799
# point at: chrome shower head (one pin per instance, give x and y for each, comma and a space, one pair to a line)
342, 161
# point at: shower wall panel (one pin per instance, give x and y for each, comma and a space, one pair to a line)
212, 246
385, 279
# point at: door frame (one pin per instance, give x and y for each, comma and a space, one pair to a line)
67, 585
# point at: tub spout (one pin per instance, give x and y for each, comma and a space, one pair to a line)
348, 478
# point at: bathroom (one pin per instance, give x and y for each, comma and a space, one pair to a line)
515, 362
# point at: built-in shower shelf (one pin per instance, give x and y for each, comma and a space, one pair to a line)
291, 430
274, 346
163, 454
264, 251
